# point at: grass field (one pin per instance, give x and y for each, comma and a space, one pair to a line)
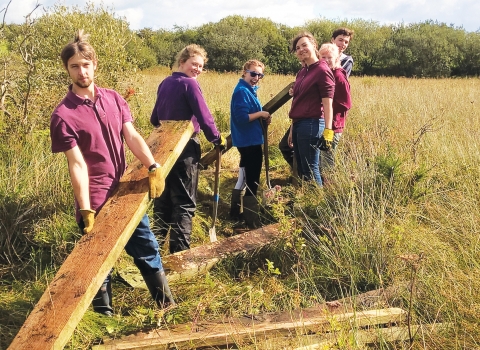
402, 210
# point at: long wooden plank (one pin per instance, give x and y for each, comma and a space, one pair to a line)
198, 260
54, 318
278, 100
247, 330
363, 337
271, 106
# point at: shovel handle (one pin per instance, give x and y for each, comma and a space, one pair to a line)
265, 152
216, 195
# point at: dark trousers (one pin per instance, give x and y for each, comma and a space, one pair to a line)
287, 152
251, 159
176, 206
143, 248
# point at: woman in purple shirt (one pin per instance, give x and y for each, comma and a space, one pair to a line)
311, 110
179, 97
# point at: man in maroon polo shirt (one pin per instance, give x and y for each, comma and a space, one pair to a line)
89, 127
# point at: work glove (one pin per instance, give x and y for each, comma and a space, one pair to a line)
156, 181
222, 143
326, 140
88, 216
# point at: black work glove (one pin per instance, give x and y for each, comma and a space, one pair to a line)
221, 143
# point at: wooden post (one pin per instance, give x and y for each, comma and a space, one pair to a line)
63, 304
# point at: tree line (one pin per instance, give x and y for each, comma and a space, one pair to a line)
29, 52
427, 49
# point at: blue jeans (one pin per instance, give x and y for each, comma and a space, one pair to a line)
143, 247
305, 136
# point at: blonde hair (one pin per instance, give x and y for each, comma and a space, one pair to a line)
330, 48
250, 63
190, 51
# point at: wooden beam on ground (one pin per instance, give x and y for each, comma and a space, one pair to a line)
198, 260
57, 313
378, 298
272, 106
249, 330
362, 337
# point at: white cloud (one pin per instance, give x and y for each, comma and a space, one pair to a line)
17, 11
167, 13
134, 17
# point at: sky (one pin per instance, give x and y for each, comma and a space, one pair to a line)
165, 14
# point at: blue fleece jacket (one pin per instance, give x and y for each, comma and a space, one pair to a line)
244, 102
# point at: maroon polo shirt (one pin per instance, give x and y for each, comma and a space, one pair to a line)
312, 83
342, 100
96, 128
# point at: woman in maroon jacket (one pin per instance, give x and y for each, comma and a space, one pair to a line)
342, 100
311, 111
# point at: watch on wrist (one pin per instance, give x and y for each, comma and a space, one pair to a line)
153, 167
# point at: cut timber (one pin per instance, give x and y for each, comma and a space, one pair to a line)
57, 313
190, 263
248, 330
362, 337
271, 107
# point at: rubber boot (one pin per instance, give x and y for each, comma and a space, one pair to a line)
250, 212
102, 302
157, 284
236, 205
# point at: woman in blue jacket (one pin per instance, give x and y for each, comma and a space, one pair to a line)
246, 118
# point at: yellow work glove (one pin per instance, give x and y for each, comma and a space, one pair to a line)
88, 216
156, 180
326, 140
222, 143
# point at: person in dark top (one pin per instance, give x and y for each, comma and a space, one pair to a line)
311, 110
78, 128
342, 101
179, 97
340, 37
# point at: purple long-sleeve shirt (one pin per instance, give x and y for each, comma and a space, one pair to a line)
312, 83
179, 97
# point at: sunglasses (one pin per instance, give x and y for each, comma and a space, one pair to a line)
254, 74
